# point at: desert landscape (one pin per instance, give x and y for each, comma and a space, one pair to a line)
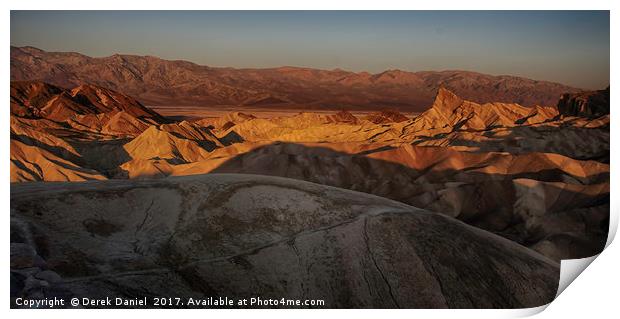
137, 176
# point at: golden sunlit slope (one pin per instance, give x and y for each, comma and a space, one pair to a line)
31, 163
505, 168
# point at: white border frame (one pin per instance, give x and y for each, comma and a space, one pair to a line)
595, 294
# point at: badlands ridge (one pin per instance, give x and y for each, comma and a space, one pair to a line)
383, 210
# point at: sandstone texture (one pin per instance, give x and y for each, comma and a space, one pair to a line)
471, 203
245, 235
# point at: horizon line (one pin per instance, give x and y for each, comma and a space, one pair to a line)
305, 67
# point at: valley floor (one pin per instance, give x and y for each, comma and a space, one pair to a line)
178, 112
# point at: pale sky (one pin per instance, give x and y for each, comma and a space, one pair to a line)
569, 47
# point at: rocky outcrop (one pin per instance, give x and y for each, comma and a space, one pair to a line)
29, 97
588, 104
107, 101
242, 235
501, 167
453, 113
31, 278
85, 108
467, 205
38, 99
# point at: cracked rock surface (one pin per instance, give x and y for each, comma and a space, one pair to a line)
242, 236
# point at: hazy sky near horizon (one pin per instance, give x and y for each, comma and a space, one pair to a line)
569, 47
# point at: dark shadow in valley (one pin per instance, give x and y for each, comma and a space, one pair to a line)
104, 156
530, 139
574, 226
480, 199
231, 138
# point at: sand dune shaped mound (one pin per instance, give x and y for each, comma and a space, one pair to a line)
191, 131
155, 143
33, 135
32, 163
160, 151
38, 155
242, 235
123, 123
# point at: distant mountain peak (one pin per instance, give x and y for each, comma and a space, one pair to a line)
155, 81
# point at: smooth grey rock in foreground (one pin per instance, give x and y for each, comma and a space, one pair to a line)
242, 236
22, 255
48, 276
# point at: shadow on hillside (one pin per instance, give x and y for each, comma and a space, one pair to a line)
104, 156
56, 150
490, 201
529, 139
575, 225
231, 138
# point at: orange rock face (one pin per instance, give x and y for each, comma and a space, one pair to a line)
505, 168
493, 192
589, 104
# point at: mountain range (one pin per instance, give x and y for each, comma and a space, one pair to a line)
471, 203
155, 81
